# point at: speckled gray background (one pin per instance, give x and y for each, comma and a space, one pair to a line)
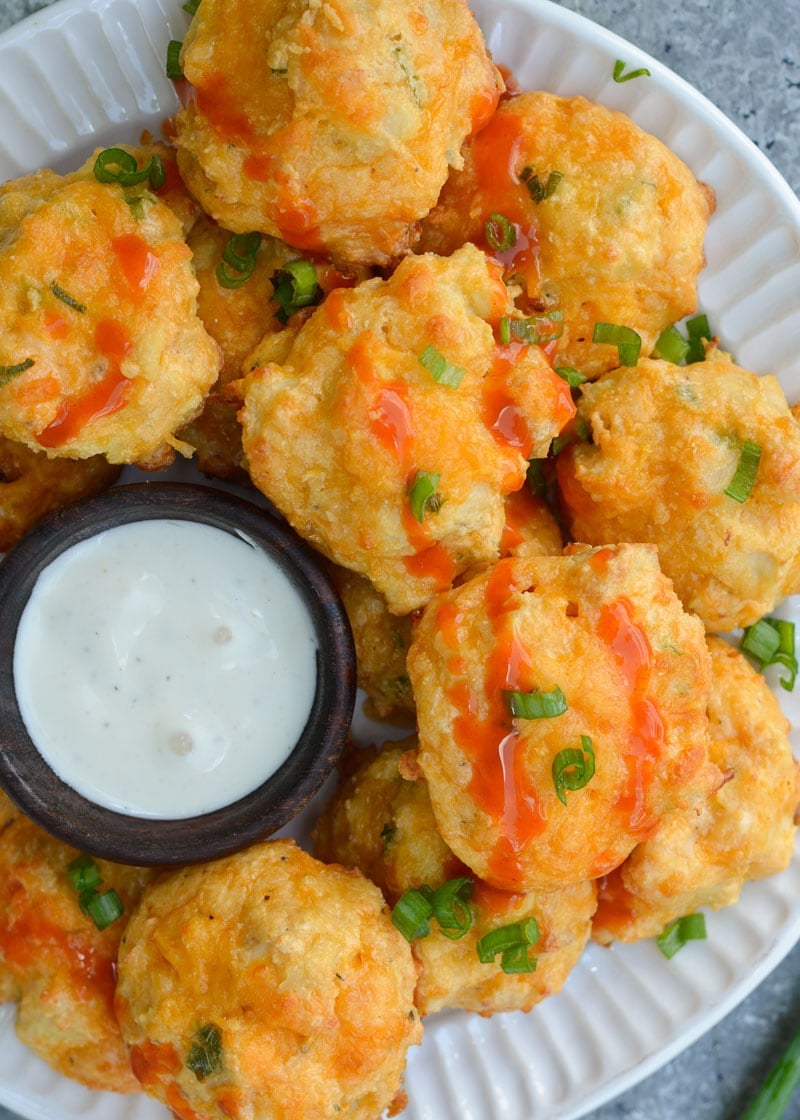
745, 56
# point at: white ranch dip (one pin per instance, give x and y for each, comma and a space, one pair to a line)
165, 668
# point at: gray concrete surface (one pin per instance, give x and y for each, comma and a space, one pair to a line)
745, 56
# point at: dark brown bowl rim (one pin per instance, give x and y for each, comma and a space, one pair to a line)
61, 810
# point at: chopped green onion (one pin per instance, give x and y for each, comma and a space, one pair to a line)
422, 494
83, 873
620, 76
511, 942
505, 331
577, 432
671, 346
238, 260
103, 909
538, 329
535, 704
59, 293
440, 369
115, 165
295, 286
572, 376
573, 768
772, 1100
499, 232
537, 484
741, 485
7, 372
451, 907
191, 6
771, 641
411, 913
626, 340
697, 329
174, 68
538, 190
205, 1053
692, 927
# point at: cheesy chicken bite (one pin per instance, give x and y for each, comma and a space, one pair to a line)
393, 429
55, 962
745, 831
270, 986
31, 486
600, 222
101, 350
331, 126
561, 706
702, 461
381, 822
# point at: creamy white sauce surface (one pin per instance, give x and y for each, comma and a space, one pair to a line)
165, 668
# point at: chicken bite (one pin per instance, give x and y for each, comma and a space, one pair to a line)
598, 219
667, 444
561, 706
331, 126
392, 430
745, 831
101, 350
55, 962
380, 821
267, 985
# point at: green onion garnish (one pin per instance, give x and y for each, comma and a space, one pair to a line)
103, 908
440, 369
577, 432
772, 1100
619, 76
205, 1053
422, 494
537, 483
697, 329
411, 913
671, 346
741, 485
573, 768
626, 340
573, 377
692, 927
294, 286
174, 68
238, 260
505, 331
83, 873
499, 232
114, 165
512, 943
7, 372
535, 704
451, 907
771, 641
191, 6
59, 293
538, 329
537, 189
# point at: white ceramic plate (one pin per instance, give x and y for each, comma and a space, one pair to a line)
90, 72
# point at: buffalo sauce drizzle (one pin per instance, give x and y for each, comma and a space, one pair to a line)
500, 784
391, 422
634, 658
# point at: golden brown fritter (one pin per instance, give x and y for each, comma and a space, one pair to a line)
101, 351
530, 528
666, 444
54, 961
744, 831
607, 224
530, 800
383, 824
31, 486
389, 385
331, 126
292, 967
